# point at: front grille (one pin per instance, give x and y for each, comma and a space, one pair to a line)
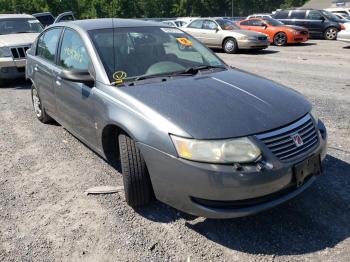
262, 38
19, 52
281, 143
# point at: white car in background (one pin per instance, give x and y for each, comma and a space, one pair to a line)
339, 10
17, 33
175, 23
266, 15
344, 35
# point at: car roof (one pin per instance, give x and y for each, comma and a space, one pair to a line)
93, 24
12, 16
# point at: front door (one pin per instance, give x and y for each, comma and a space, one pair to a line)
210, 33
315, 22
43, 64
74, 100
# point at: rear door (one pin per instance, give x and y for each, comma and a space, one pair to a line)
43, 65
195, 29
298, 17
75, 107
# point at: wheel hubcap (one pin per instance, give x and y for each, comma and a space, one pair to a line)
280, 39
36, 103
331, 33
230, 45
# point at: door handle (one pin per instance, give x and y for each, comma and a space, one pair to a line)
58, 80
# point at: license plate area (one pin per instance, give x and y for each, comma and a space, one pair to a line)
310, 166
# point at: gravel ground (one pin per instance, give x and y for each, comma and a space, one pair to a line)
44, 171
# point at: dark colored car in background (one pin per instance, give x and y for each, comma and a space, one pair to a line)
47, 18
203, 137
320, 23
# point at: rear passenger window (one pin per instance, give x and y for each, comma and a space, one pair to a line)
298, 15
73, 55
281, 15
247, 22
196, 24
47, 44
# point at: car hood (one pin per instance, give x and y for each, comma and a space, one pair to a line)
17, 39
220, 105
298, 28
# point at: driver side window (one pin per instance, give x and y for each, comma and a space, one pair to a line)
73, 54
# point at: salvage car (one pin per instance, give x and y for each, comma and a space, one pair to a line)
320, 23
17, 33
188, 129
47, 18
279, 33
225, 34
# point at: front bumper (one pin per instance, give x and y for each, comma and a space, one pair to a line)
189, 186
11, 69
253, 44
300, 38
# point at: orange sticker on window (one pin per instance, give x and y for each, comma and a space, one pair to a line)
184, 41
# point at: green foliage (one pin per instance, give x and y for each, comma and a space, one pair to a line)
146, 8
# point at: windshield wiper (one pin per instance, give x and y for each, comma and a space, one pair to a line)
197, 69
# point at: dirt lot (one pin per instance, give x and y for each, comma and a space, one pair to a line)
44, 171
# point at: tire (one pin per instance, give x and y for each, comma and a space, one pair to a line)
38, 107
137, 183
230, 46
331, 33
280, 39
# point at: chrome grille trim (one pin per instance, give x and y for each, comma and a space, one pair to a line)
280, 141
19, 52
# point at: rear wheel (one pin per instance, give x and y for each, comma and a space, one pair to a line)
331, 33
280, 39
137, 183
230, 46
39, 109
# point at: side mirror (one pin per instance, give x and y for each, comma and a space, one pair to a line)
323, 19
217, 29
78, 76
265, 26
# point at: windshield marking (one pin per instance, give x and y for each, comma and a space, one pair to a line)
240, 89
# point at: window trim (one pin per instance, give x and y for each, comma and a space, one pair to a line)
59, 49
58, 43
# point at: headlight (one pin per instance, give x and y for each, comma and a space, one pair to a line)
314, 115
239, 150
5, 52
252, 38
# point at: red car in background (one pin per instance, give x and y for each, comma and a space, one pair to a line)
279, 33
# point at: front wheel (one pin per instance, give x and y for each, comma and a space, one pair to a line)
331, 33
137, 184
280, 39
230, 46
38, 107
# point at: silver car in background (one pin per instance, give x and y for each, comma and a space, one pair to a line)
17, 33
225, 34
344, 35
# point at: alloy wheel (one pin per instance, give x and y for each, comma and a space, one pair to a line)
331, 33
280, 39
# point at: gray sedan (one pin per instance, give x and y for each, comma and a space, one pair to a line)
187, 129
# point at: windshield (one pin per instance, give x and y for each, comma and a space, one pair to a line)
273, 22
329, 15
132, 53
19, 25
226, 24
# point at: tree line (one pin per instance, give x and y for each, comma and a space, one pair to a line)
146, 8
